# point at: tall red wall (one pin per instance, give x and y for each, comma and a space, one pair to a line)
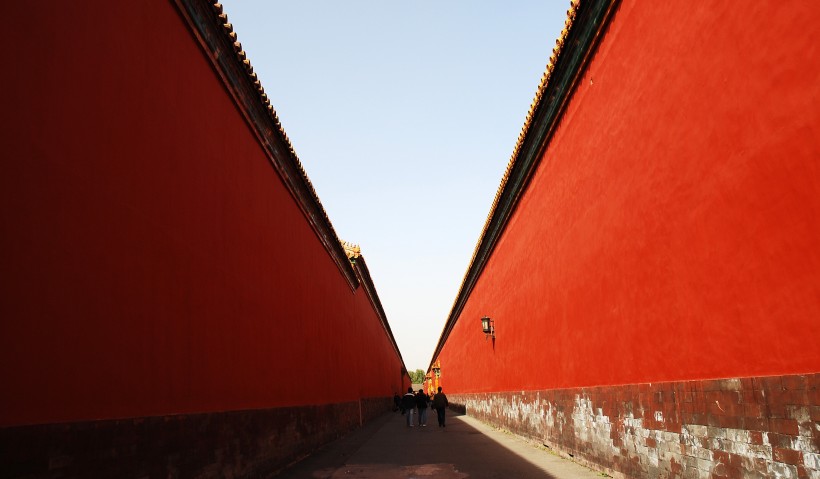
671, 229
153, 262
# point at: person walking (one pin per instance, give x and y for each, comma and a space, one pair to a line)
421, 405
440, 405
408, 403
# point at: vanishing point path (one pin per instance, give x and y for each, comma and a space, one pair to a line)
386, 448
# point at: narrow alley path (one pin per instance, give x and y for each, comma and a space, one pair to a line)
387, 449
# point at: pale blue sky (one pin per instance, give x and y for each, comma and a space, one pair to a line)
404, 115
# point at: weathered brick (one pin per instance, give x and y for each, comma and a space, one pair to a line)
784, 426
811, 460
769, 383
719, 470
716, 432
720, 456
713, 420
724, 396
733, 421
756, 423
735, 473
705, 442
736, 460
691, 473
805, 444
716, 444
186, 445
789, 456
782, 470
785, 397
761, 465
780, 440
704, 454
775, 410
747, 396
759, 452
738, 435
672, 425
795, 382
802, 473
813, 396
699, 418
689, 461
675, 467
734, 429
710, 385
673, 448
800, 414
697, 430
759, 396
752, 410
733, 384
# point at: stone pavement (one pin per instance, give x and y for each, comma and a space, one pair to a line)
386, 448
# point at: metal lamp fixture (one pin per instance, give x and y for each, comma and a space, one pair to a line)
487, 325
437, 371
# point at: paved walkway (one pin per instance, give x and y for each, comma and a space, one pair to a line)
386, 448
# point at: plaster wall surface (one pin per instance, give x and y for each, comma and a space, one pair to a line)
670, 230
656, 291
154, 265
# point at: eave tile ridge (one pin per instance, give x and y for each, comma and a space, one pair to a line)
242, 57
539, 94
352, 250
536, 101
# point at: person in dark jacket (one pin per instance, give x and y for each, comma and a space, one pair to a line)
421, 405
408, 403
440, 405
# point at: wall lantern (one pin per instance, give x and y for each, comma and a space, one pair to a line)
487, 325
437, 371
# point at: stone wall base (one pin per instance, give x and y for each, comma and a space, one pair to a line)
252, 443
757, 427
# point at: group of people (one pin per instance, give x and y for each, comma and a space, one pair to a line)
420, 401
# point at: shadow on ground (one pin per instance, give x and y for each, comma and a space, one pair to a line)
386, 448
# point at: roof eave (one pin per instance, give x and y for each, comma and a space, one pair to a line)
215, 34
587, 20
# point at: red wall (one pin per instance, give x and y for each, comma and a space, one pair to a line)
671, 230
152, 261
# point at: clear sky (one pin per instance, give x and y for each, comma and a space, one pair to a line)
404, 115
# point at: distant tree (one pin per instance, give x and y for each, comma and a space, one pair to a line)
417, 376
